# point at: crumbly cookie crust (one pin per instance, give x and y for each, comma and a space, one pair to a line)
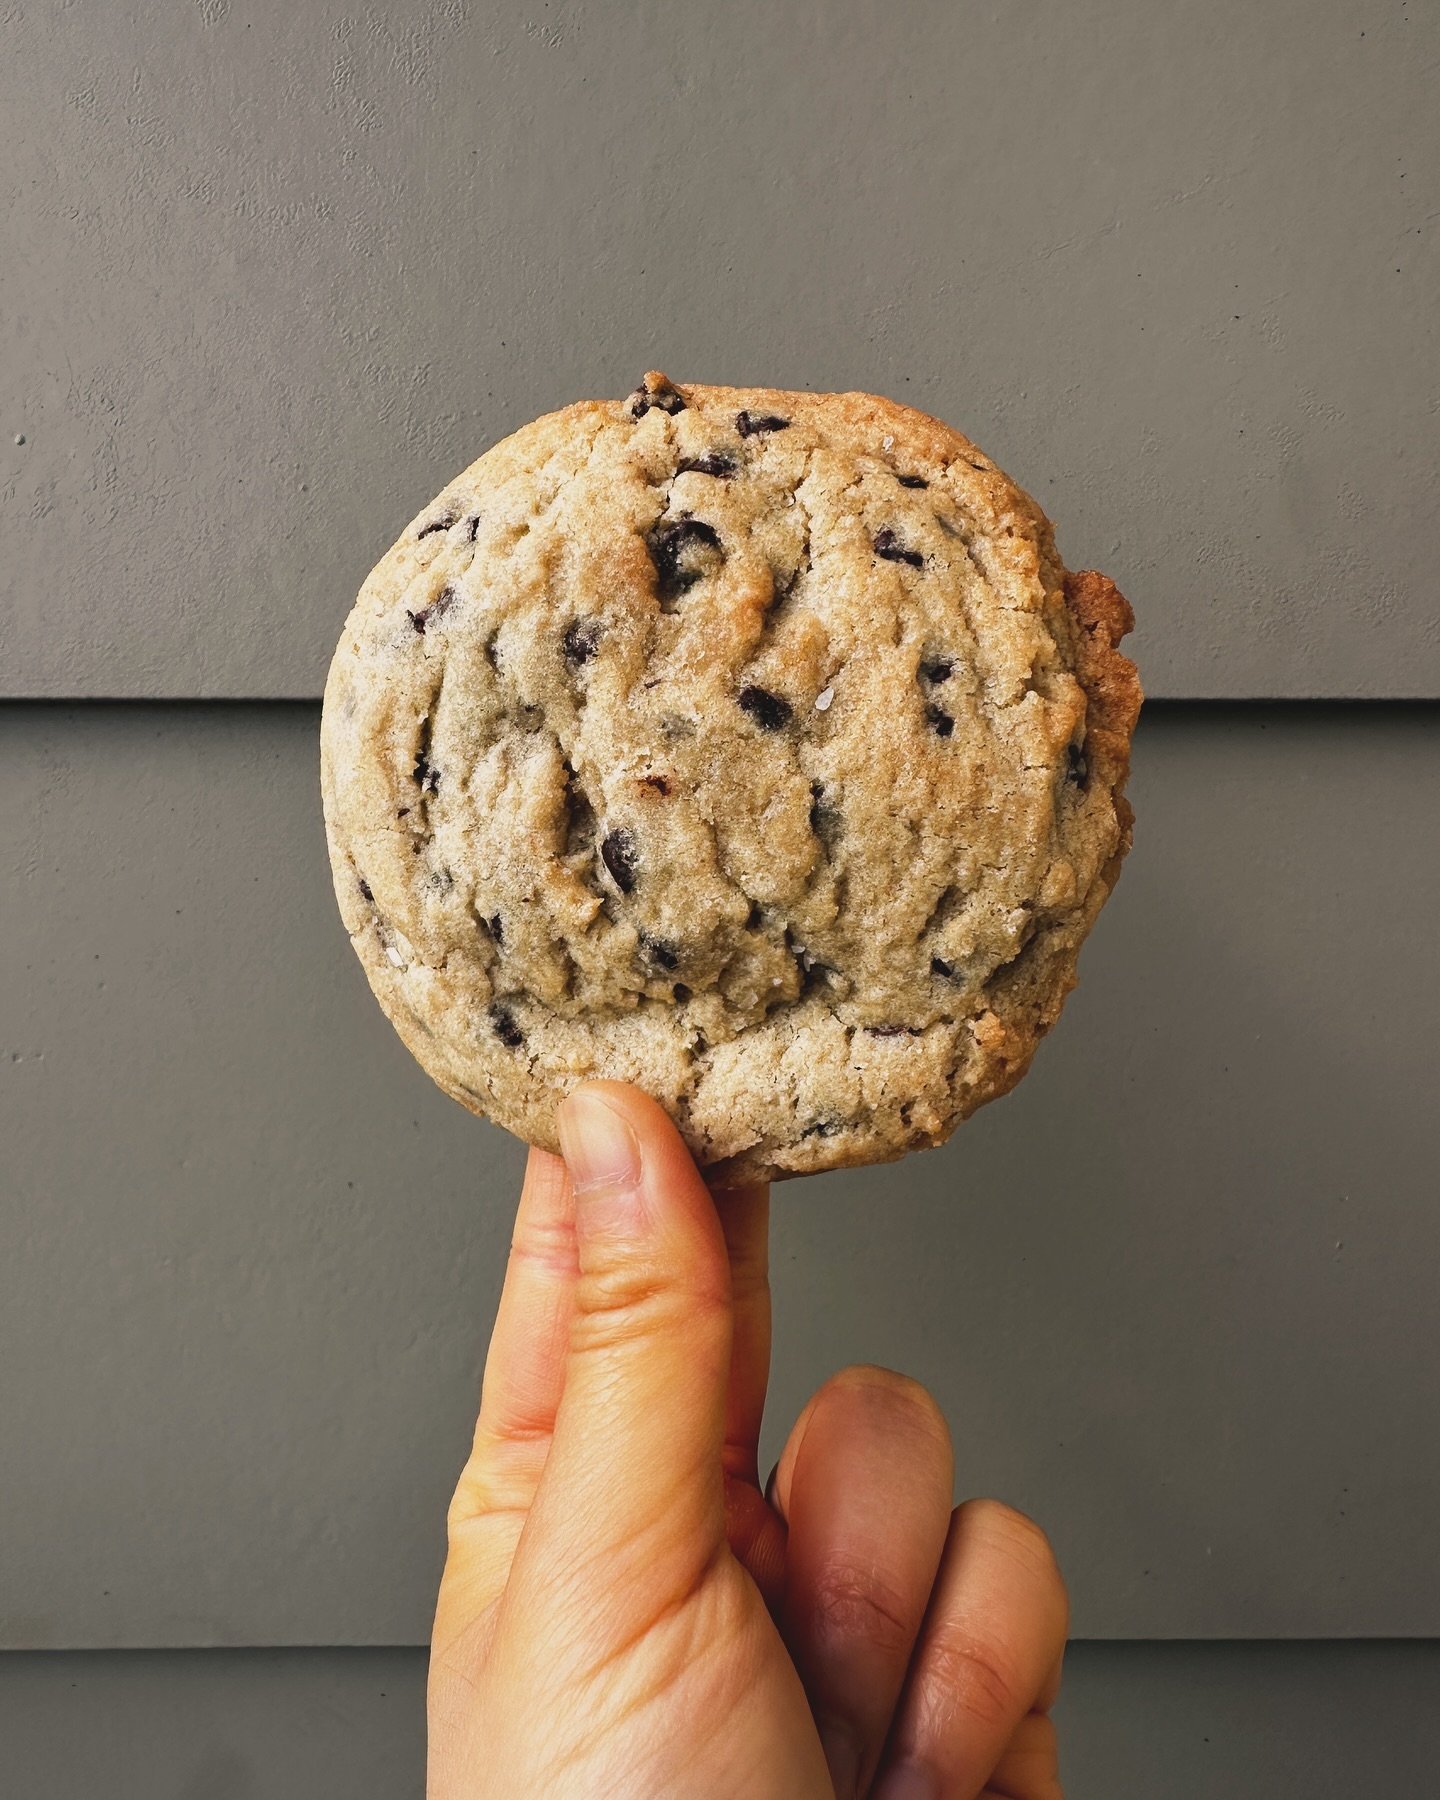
752, 746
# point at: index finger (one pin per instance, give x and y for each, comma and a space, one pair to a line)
745, 1220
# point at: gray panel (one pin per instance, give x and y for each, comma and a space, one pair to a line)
214, 1725
1176, 1293
1186, 1721
274, 273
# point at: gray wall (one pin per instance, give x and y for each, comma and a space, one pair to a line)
276, 272
1176, 1292
269, 276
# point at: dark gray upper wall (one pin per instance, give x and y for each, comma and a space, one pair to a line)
273, 273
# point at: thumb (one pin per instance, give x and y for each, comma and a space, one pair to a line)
634, 1471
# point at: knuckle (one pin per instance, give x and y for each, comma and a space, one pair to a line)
850, 1605
615, 1306
972, 1678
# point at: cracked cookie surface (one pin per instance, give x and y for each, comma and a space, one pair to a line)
751, 746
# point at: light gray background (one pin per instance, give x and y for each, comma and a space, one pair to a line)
269, 275
276, 272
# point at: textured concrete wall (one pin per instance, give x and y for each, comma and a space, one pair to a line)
273, 273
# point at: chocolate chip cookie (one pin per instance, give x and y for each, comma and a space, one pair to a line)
752, 746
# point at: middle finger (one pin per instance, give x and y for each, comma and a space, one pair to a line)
865, 1485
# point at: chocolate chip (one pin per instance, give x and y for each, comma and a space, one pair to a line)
660, 784
365, 893
437, 609
769, 711
508, 1032
939, 721
681, 993
939, 966
750, 424
678, 549
657, 951
443, 523
1077, 768
663, 395
581, 641
890, 547
719, 463
912, 481
937, 668
621, 857
472, 530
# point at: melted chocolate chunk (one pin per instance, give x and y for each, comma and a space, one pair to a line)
663, 395
939, 966
888, 545
936, 669
679, 549
365, 893
663, 955
769, 711
580, 642
939, 720
719, 463
912, 481
443, 523
437, 609
508, 1032
1077, 768
750, 424
681, 993
620, 856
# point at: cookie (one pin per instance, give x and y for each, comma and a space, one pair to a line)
752, 746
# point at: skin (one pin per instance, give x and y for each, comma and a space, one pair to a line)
625, 1611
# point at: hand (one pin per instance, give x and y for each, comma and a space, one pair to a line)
623, 1612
